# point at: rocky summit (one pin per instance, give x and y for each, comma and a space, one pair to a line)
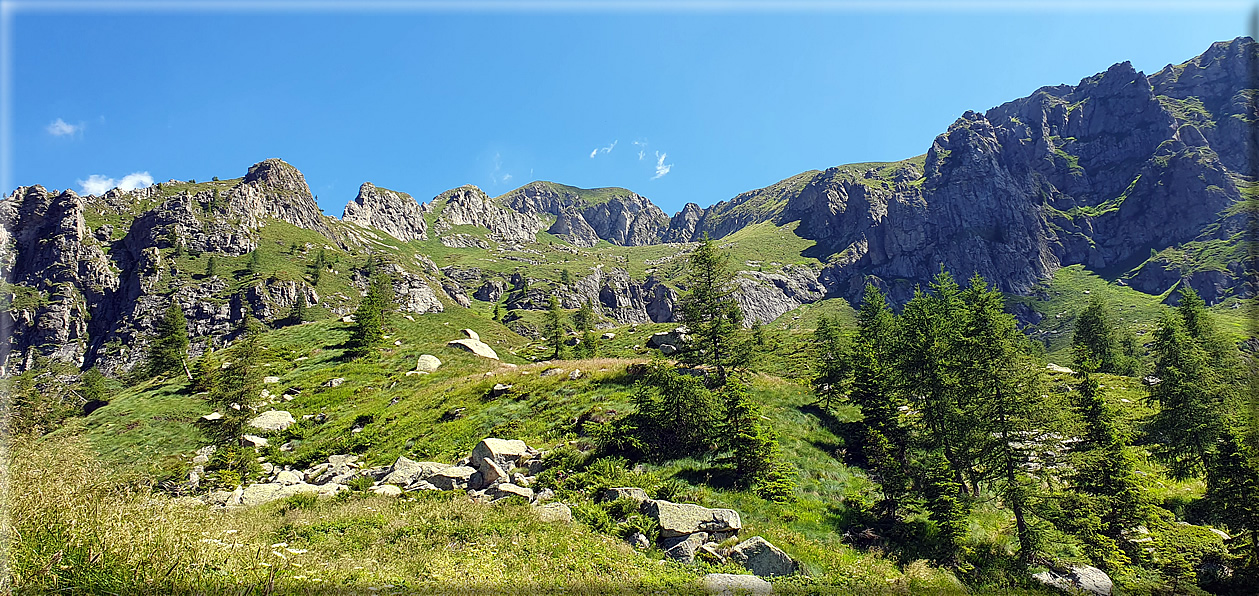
1139, 177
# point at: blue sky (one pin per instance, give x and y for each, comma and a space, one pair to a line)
690, 106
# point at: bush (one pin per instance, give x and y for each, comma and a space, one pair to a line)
299, 502
638, 522
360, 483
594, 516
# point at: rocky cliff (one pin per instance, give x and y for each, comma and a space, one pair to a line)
394, 213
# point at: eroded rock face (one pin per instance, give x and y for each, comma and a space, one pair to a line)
613, 214
396, 214
469, 205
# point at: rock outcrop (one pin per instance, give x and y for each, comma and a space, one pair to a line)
394, 213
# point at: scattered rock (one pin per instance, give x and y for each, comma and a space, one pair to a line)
729, 584
212, 417
273, 420
507, 489
427, 363
470, 334
681, 519
555, 512
639, 541
1058, 369
334, 382
406, 472
608, 335
550, 372
388, 490
253, 441
452, 478
475, 346
505, 453
668, 349
682, 549
287, 478
762, 558
490, 471
629, 492
576, 374
499, 390
1090, 580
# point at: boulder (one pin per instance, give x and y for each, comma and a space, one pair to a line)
470, 334
427, 363
490, 471
212, 417
550, 372
555, 512
681, 519
639, 541
452, 478
507, 489
628, 492
608, 335
729, 584
253, 441
576, 374
682, 548
257, 494
506, 453
1051, 367
762, 558
475, 346
270, 380
406, 472
668, 349
499, 390
334, 382
1088, 580
288, 478
273, 420
387, 490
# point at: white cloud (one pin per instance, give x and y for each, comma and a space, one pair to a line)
662, 168
506, 177
97, 184
598, 150
61, 128
642, 149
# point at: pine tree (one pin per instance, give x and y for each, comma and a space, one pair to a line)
298, 315
1095, 337
1189, 420
584, 318
1006, 386
832, 375
170, 347
928, 361
554, 328
1233, 490
205, 372
873, 391
750, 444
369, 319
239, 384
211, 266
566, 278
711, 313
947, 506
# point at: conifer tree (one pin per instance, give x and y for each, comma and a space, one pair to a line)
584, 318
1189, 420
566, 278
873, 391
211, 266
750, 444
1233, 490
92, 385
299, 313
554, 328
170, 347
947, 506
675, 414
369, 319
831, 374
1008, 404
1095, 337
239, 384
711, 313
205, 372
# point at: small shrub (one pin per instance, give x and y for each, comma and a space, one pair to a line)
671, 489
593, 516
621, 508
299, 502
360, 483
638, 522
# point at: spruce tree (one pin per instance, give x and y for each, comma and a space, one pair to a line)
675, 414
711, 313
239, 384
369, 319
947, 506
205, 372
212, 266
1095, 337
1008, 404
750, 444
170, 347
1189, 420
831, 374
1233, 491
873, 391
584, 318
92, 385
554, 328
298, 315
566, 278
